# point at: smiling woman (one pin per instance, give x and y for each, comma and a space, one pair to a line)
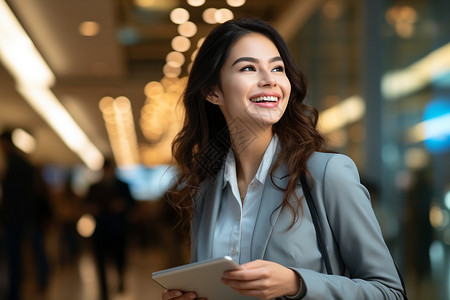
247, 140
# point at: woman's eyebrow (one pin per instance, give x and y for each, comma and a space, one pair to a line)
254, 60
249, 59
276, 58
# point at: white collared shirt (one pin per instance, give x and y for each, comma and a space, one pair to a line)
236, 222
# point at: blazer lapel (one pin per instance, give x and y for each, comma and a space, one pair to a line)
209, 217
269, 210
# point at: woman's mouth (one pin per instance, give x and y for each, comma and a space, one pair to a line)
271, 99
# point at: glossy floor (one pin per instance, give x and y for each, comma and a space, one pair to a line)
77, 280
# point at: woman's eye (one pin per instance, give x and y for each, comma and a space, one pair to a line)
278, 69
248, 68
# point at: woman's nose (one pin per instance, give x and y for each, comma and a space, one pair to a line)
267, 79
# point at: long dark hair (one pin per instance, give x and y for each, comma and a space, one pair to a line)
201, 145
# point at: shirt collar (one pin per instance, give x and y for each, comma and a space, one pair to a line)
263, 169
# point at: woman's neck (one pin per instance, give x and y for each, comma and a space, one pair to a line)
249, 148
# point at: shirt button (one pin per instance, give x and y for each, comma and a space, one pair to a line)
234, 251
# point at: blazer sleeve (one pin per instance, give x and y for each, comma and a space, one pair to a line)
370, 270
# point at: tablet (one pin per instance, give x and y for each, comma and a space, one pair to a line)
202, 277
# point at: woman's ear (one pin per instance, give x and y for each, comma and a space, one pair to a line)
214, 96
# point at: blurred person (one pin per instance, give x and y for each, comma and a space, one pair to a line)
68, 210
419, 235
247, 152
110, 202
24, 212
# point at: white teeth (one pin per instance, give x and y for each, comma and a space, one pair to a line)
264, 99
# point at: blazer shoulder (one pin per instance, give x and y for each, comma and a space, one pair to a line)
319, 161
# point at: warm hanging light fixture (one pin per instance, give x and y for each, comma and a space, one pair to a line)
181, 43
89, 28
195, 3
175, 59
222, 15
179, 15
209, 15
235, 3
119, 123
187, 29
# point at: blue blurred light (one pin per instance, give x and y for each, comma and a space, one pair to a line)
437, 125
148, 183
441, 80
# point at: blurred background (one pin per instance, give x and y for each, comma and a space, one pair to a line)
84, 81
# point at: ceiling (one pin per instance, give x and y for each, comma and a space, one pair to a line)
129, 51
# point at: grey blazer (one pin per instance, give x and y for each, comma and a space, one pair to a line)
362, 265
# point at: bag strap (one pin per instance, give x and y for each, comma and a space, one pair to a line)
319, 233
316, 221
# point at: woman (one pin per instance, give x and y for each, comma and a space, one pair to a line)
247, 138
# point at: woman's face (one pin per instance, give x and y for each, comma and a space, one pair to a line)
254, 88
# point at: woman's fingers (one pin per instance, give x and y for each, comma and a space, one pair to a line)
178, 295
263, 279
171, 294
251, 271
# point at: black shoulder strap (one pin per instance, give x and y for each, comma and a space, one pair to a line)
319, 234
316, 221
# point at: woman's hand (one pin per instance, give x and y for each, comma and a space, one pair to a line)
263, 279
178, 295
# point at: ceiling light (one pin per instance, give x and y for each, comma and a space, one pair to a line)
33, 81
157, 5
189, 67
89, 28
169, 83
195, 3
235, 3
170, 71
23, 140
194, 54
153, 89
123, 104
18, 53
179, 15
120, 127
187, 29
209, 15
222, 15
52, 111
399, 83
402, 19
175, 59
398, 14
346, 112
105, 103
180, 44
200, 42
